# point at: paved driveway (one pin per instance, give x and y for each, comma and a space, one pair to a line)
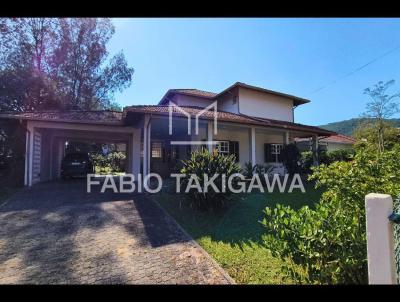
57, 233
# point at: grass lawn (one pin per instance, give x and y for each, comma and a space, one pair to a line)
233, 237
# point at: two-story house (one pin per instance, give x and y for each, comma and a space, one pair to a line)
250, 122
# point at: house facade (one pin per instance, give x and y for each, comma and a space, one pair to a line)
250, 122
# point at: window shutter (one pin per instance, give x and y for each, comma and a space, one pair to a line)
163, 153
280, 155
267, 153
234, 149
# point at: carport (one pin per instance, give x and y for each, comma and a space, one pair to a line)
48, 132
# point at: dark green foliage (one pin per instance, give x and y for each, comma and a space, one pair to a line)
367, 133
249, 169
59, 63
330, 241
306, 158
339, 155
112, 162
291, 158
396, 209
203, 162
12, 150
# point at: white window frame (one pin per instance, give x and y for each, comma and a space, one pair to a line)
154, 145
223, 147
276, 149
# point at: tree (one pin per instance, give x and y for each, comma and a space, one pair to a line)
26, 44
366, 134
59, 63
381, 107
87, 81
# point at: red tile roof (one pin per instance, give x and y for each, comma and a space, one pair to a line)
227, 117
296, 100
103, 117
338, 138
211, 95
191, 92
118, 118
195, 92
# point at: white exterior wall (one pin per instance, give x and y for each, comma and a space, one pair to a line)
263, 138
264, 105
228, 105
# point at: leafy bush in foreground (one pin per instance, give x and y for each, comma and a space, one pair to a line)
306, 158
329, 242
201, 163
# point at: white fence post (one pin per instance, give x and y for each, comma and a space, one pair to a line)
380, 247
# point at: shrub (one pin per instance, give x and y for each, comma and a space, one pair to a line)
116, 161
113, 162
291, 158
203, 162
249, 169
12, 153
329, 242
306, 162
337, 155
306, 158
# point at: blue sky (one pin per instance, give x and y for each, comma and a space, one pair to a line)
294, 56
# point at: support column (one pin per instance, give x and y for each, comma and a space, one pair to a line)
380, 246
149, 146
146, 145
27, 157
134, 150
30, 166
253, 145
210, 136
51, 155
315, 149
286, 136
60, 155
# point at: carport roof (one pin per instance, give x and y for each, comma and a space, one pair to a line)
103, 117
117, 118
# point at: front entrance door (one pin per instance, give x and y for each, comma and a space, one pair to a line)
167, 158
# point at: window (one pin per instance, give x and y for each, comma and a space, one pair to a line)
276, 149
273, 152
234, 149
234, 100
175, 152
223, 147
156, 150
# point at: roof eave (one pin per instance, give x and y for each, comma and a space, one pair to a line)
299, 128
105, 123
296, 100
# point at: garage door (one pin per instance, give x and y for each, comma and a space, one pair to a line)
37, 143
